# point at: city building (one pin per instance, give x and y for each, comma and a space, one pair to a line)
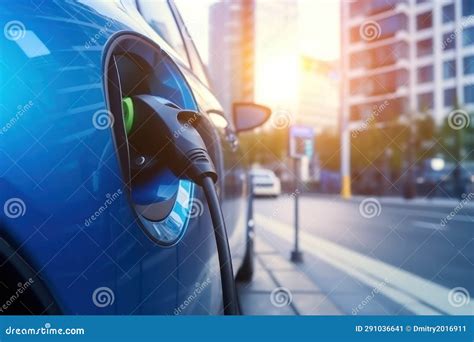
416, 54
403, 57
318, 95
253, 52
232, 50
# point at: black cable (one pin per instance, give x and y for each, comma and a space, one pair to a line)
229, 292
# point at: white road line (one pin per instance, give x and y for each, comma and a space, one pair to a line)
428, 225
415, 293
424, 213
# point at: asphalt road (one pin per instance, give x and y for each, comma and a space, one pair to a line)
380, 237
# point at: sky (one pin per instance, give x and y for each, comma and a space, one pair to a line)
318, 26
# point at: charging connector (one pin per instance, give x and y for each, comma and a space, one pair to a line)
162, 131
167, 136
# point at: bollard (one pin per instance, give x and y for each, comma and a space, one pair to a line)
296, 255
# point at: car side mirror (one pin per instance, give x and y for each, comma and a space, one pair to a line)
248, 115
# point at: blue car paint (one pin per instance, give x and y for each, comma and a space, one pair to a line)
64, 170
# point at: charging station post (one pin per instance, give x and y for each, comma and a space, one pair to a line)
301, 139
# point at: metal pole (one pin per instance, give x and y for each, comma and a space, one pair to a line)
345, 129
346, 160
296, 255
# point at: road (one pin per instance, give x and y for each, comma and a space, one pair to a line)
401, 250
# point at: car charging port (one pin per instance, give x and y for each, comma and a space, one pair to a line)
134, 65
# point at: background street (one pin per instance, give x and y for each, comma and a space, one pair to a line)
372, 113
378, 256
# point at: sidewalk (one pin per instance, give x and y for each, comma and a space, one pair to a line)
280, 288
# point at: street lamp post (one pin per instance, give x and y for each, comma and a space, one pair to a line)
346, 160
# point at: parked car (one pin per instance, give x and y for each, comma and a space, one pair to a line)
84, 229
265, 183
437, 177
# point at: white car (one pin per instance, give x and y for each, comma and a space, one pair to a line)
265, 183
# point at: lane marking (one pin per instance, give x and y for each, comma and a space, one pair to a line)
417, 294
423, 213
428, 225
408, 212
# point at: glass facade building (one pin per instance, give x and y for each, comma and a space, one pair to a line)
418, 55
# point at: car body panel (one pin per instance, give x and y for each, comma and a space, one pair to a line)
63, 169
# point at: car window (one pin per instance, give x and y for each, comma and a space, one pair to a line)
159, 16
262, 173
196, 62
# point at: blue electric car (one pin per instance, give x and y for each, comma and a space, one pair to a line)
100, 211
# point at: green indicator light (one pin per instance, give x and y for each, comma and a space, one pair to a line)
128, 114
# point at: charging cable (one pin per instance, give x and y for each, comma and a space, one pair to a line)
229, 292
167, 135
